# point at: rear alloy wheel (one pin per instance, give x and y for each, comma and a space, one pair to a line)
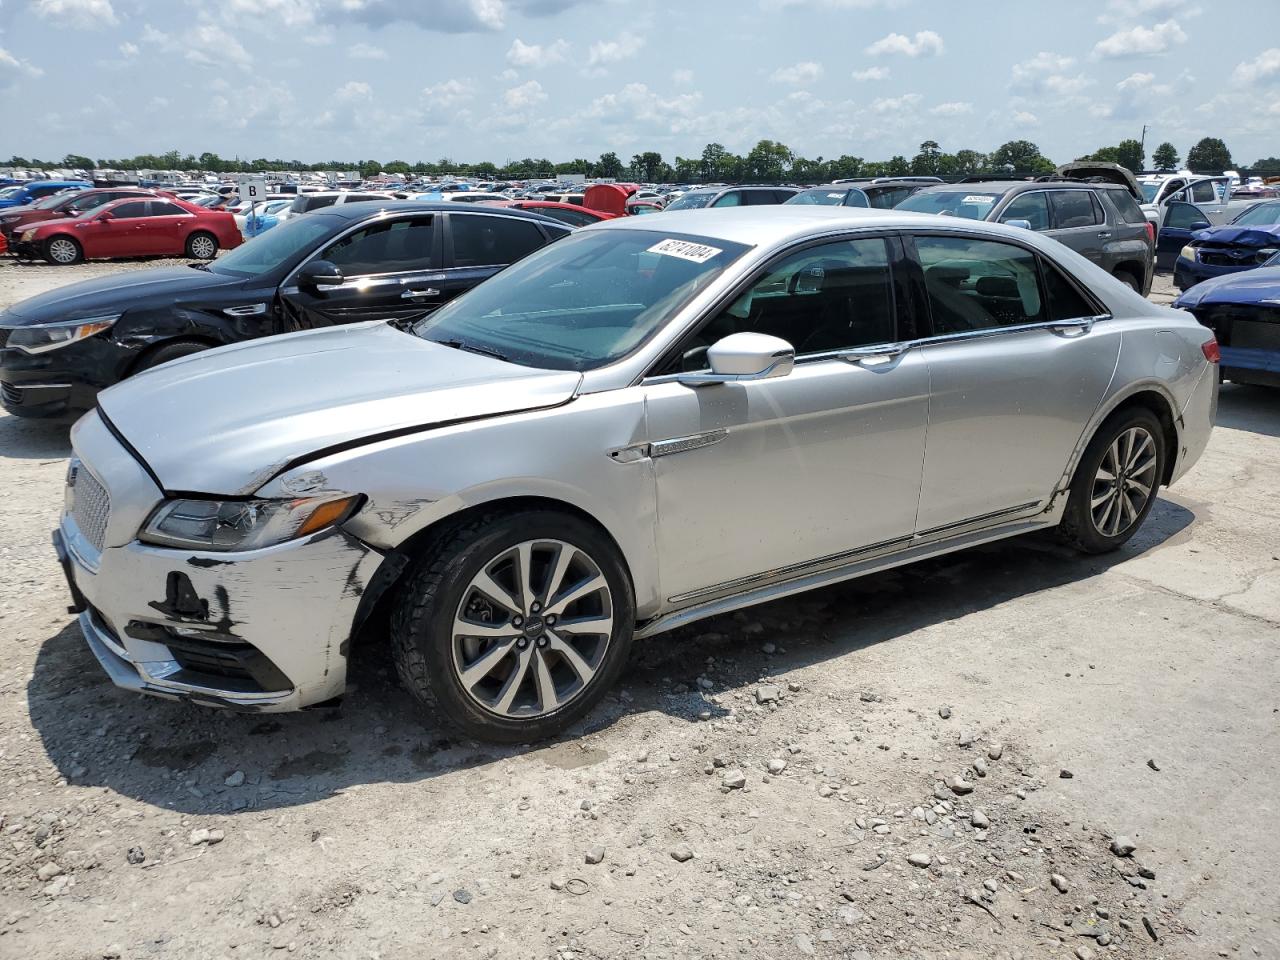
516, 627
63, 251
1116, 482
202, 246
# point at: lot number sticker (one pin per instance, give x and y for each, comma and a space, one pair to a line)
697, 252
979, 198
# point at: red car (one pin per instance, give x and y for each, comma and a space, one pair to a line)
70, 203
132, 228
570, 213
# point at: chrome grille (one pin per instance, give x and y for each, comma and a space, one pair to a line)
90, 506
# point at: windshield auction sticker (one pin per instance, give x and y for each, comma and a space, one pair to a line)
697, 252
979, 198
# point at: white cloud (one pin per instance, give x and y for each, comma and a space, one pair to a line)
894, 104
1043, 75
1023, 118
353, 90
129, 49
449, 93
799, 74
1120, 11
1264, 68
871, 73
206, 44
612, 51
925, 43
12, 69
1041, 64
953, 108
682, 77
524, 96
366, 51
84, 14
1141, 41
524, 54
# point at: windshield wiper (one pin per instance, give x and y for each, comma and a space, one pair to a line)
473, 348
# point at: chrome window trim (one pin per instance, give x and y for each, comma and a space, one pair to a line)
396, 215
1084, 323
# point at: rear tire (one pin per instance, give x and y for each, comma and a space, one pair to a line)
62, 251
169, 351
1129, 280
535, 665
1116, 482
202, 246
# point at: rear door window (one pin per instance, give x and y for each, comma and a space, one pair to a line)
128, 211
731, 199
1064, 301
1032, 207
1204, 192
162, 208
482, 241
979, 284
1073, 208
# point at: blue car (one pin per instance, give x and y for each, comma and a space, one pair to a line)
1243, 310
1248, 241
23, 193
265, 217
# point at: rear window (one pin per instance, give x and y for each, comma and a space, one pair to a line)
969, 204
1125, 206
306, 204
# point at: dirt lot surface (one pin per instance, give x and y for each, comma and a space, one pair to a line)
934, 762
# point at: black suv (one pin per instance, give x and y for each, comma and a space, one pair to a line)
387, 260
1100, 221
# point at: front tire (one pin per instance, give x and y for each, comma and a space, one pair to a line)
169, 351
515, 625
1116, 482
202, 246
62, 251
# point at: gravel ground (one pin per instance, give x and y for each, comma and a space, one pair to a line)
951, 760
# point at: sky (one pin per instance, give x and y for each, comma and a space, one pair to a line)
477, 80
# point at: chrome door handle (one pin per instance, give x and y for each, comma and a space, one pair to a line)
1083, 324
882, 351
1104, 235
414, 294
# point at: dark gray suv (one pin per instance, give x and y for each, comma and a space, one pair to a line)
732, 197
1101, 221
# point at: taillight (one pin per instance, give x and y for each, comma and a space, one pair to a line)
1151, 233
1210, 350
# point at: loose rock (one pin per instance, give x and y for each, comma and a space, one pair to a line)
919, 859
767, 693
959, 785
734, 780
1059, 882
595, 854
235, 780
944, 713
135, 856
776, 766
1123, 846
995, 751
979, 820
681, 854
462, 896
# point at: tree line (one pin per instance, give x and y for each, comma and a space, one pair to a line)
767, 162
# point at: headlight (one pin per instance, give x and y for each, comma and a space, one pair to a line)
1188, 253
1266, 253
51, 336
243, 524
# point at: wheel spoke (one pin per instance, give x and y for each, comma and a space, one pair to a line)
579, 666
484, 631
1140, 487
1105, 521
547, 698
589, 626
509, 689
524, 575
1127, 512
1102, 498
1146, 466
564, 557
496, 592
486, 663
575, 593
1136, 455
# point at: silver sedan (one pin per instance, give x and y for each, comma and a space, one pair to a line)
652, 421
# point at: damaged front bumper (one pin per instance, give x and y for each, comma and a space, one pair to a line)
263, 630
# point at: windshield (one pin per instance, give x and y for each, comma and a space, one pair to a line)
272, 249
1263, 214
56, 202
970, 204
1149, 191
692, 201
9, 192
820, 196
584, 301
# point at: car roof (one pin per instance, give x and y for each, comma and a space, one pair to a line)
1005, 186
780, 223
363, 208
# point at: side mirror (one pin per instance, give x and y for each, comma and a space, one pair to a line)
319, 272
743, 357
103, 216
1199, 225
1024, 224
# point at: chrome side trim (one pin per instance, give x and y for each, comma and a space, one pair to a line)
782, 574
664, 448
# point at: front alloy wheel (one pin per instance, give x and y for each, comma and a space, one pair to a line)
512, 626
63, 251
532, 629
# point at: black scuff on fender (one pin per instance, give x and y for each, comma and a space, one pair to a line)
207, 562
181, 602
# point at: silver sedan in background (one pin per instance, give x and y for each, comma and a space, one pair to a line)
651, 421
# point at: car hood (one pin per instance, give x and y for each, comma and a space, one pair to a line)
226, 421
1260, 285
114, 293
1111, 172
1256, 237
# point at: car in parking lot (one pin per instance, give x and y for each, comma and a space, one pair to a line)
651, 421
1101, 221
1249, 240
24, 193
880, 194
1243, 311
131, 227
62, 205
731, 197
568, 213
396, 260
